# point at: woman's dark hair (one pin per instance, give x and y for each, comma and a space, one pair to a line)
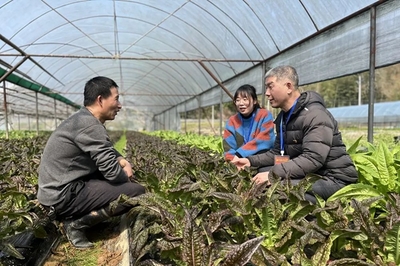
97, 86
247, 91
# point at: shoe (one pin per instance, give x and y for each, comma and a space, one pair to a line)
75, 229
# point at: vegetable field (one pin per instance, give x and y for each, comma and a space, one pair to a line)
199, 210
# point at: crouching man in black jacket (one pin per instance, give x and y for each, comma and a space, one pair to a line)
307, 140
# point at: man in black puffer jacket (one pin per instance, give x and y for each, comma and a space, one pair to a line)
307, 140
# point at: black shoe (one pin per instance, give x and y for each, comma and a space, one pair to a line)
75, 229
76, 236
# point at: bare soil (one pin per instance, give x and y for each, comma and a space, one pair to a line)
106, 252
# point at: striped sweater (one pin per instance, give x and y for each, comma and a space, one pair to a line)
261, 136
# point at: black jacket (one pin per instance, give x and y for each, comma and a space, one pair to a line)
313, 142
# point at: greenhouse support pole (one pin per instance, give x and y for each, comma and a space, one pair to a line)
166, 120
212, 117
221, 110
215, 78
208, 120
169, 120
359, 89
178, 115
155, 123
5, 108
263, 85
55, 113
185, 118
37, 113
199, 114
164, 117
372, 75
13, 68
19, 121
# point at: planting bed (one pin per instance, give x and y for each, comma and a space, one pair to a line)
111, 247
200, 210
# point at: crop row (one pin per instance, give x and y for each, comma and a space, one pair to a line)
199, 210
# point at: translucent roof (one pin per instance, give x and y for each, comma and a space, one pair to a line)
383, 112
171, 55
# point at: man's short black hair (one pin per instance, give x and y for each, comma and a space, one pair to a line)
97, 86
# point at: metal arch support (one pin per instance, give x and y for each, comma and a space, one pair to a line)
215, 78
263, 68
221, 110
7, 41
55, 113
199, 114
223, 87
137, 58
3, 79
37, 112
5, 108
185, 118
13, 68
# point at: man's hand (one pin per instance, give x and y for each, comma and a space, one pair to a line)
261, 178
240, 163
127, 167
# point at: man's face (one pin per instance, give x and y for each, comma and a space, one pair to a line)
111, 105
277, 92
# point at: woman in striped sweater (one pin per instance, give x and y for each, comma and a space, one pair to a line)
251, 130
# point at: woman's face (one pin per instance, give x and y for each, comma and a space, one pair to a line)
245, 104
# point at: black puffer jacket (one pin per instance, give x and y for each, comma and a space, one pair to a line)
313, 142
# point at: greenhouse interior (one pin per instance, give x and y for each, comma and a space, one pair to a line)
177, 65
185, 56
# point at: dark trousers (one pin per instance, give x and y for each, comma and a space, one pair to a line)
324, 187
91, 194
